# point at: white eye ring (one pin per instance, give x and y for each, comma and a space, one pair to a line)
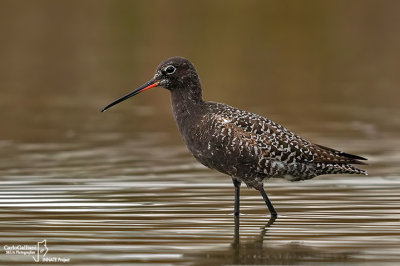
170, 69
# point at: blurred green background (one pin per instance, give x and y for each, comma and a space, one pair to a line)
297, 62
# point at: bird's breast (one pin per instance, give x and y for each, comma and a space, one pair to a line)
212, 144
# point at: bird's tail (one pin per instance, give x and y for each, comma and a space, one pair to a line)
343, 157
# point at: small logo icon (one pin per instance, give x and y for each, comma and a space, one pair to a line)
41, 251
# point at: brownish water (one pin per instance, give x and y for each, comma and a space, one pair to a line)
121, 188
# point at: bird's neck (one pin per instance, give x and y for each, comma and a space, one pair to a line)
186, 103
186, 98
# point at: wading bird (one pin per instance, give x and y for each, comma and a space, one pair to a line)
248, 147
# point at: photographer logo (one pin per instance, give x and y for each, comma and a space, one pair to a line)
38, 252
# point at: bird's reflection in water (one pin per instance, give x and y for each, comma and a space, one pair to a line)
257, 243
257, 251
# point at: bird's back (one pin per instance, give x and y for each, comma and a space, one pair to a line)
252, 147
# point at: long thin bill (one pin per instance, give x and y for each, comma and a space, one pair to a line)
148, 85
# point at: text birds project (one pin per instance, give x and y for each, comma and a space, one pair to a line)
248, 147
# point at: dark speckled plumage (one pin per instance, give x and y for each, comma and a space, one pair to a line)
243, 145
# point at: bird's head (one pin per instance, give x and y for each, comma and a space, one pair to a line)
175, 73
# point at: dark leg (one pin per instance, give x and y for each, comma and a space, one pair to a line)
268, 202
236, 237
237, 196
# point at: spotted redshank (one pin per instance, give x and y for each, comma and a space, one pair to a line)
248, 147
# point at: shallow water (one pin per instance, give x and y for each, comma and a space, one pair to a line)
121, 188
144, 201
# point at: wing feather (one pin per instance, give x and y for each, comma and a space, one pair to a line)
278, 143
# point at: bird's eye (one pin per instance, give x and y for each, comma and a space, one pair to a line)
170, 69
